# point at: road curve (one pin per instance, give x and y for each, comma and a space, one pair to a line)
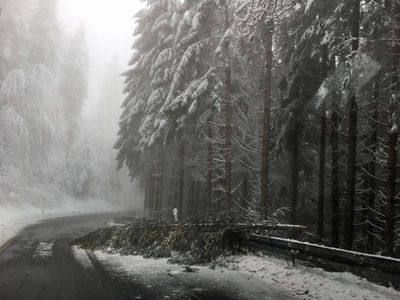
39, 264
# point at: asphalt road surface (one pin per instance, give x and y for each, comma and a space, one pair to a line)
39, 264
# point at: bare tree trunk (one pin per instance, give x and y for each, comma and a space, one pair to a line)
393, 136
245, 159
351, 175
181, 180
209, 167
322, 154
160, 197
176, 186
228, 117
335, 218
268, 35
372, 171
228, 141
294, 172
146, 197
352, 142
373, 140
321, 196
390, 205
171, 191
245, 189
152, 190
192, 198
197, 204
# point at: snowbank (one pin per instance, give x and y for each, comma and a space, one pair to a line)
252, 276
14, 219
179, 283
310, 283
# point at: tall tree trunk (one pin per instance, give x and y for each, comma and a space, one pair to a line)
393, 136
322, 155
152, 190
335, 218
352, 141
391, 198
245, 176
373, 145
351, 175
245, 189
295, 140
191, 195
175, 186
171, 190
372, 171
146, 197
181, 180
321, 189
209, 167
228, 141
228, 117
268, 35
160, 197
197, 204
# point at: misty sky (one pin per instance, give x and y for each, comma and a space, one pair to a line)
109, 26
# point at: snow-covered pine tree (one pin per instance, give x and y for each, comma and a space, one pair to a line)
315, 42
199, 93
44, 35
14, 35
147, 84
73, 83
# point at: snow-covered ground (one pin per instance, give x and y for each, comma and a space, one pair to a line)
315, 283
252, 276
177, 283
14, 219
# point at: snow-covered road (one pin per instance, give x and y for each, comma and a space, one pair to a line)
39, 263
242, 277
14, 219
171, 281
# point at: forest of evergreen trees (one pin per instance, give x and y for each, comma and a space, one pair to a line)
46, 158
268, 107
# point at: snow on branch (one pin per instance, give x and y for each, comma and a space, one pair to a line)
252, 13
349, 78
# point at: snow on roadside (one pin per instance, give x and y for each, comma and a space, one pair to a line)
250, 273
315, 283
14, 219
82, 257
177, 281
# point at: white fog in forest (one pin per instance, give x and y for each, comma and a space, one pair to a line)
245, 149
61, 92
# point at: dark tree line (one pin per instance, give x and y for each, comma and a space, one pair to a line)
264, 107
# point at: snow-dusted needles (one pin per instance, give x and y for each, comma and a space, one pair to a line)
347, 79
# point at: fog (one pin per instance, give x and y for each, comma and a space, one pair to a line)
65, 58
227, 106
193, 130
109, 27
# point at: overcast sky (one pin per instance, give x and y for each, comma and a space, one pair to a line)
109, 26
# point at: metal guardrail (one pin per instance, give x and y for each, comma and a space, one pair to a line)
379, 269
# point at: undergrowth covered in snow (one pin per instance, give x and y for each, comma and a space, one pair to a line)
182, 243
